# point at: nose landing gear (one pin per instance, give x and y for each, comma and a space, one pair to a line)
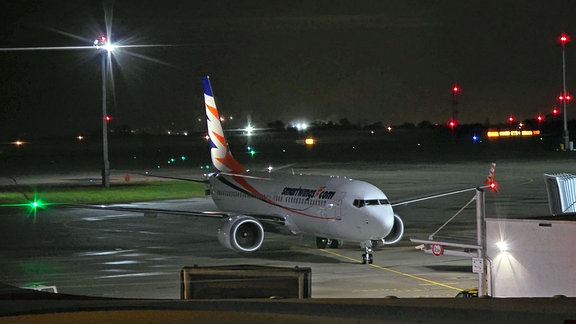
367, 255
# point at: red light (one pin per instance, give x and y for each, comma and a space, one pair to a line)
452, 123
103, 38
510, 119
493, 186
455, 89
563, 39
108, 118
555, 111
540, 118
567, 97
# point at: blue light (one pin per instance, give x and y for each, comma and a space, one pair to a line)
475, 138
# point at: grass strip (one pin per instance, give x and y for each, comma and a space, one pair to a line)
133, 192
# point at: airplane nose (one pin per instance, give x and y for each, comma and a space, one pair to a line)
381, 221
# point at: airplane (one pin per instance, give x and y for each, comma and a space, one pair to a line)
331, 208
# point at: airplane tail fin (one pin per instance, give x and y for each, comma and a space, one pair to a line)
222, 159
490, 181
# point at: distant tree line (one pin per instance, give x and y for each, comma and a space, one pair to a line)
551, 124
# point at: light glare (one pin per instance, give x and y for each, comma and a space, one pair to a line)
249, 129
502, 246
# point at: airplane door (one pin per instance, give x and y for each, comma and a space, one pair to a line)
333, 208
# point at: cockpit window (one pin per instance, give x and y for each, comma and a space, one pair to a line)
370, 202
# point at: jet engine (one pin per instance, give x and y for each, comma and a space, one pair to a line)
241, 233
397, 231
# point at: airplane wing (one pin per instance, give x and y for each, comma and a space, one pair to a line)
205, 181
173, 178
148, 211
269, 219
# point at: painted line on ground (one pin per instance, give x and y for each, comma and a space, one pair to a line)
394, 271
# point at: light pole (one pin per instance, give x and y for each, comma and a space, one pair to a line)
564, 39
454, 118
104, 44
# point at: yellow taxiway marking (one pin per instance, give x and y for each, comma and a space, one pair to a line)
395, 271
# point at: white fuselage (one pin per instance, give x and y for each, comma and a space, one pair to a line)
322, 206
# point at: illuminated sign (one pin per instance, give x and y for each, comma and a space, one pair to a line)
514, 133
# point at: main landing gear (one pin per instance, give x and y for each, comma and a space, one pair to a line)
322, 243
367, 256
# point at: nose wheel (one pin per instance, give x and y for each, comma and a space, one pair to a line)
367, 256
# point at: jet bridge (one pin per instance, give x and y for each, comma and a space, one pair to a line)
561, 188
530, 257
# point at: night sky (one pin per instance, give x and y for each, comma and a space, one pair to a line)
368, 61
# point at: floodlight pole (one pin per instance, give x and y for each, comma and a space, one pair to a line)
564, 39
566, 134
454, 118
106, 162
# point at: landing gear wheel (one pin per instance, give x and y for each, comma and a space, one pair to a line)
367, 258
334, 244
367, 255
321, 242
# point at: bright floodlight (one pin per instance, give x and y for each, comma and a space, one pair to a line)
103, 42
502, 246
249, 129
109, 47
300, 126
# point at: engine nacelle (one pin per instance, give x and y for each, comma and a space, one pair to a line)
396, 233
241, 233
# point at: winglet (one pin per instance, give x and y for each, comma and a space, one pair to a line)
219, 151
490, 182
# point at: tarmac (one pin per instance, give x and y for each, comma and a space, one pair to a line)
116, 254
137, 259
